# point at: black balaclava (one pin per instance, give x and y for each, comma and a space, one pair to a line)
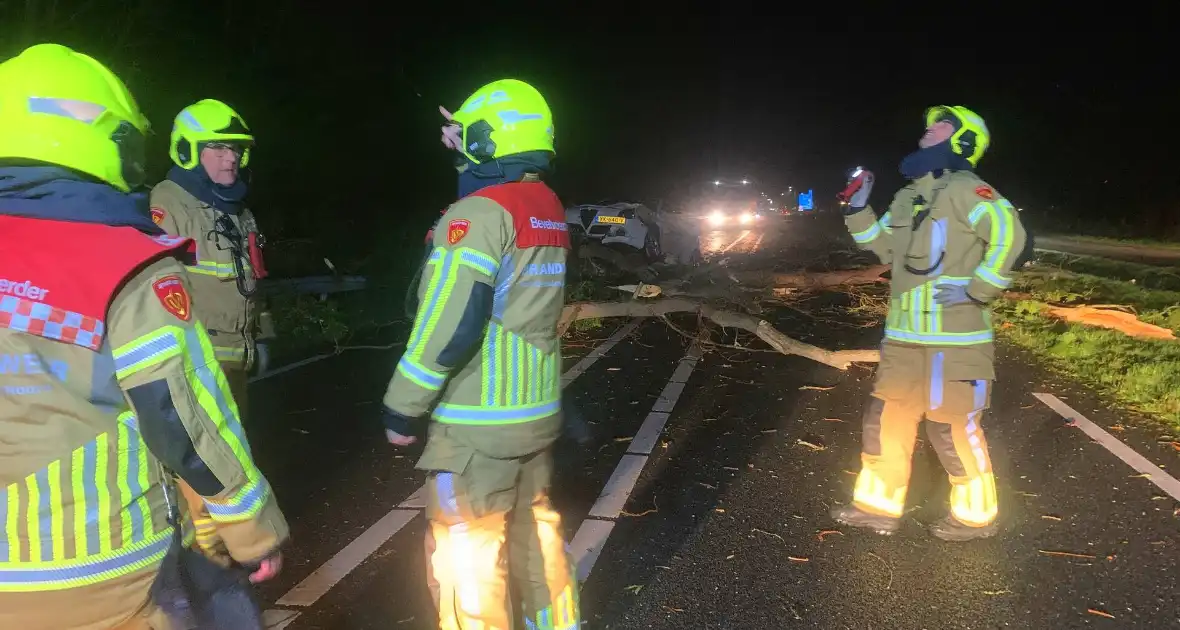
59, 194
507, 169
936, 158
196, 181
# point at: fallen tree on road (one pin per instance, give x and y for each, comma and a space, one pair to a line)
727, 297
840, 359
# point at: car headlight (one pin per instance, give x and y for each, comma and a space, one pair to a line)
746, 217
716, 218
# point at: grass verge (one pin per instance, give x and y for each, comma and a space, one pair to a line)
1144, 276
1141, 374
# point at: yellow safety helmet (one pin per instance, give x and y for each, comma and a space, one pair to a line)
971, 137
205, 122
503, 118
62, 107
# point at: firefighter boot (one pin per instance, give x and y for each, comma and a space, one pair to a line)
952, 529
855, 517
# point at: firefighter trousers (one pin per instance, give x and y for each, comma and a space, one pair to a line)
477, 514
905, 394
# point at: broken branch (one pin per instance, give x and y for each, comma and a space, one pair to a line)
839, 359
811, 279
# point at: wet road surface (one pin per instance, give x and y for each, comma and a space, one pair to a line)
733, 241
1129, 252
702, 502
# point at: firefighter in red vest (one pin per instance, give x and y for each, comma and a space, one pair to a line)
484, 363
108, 380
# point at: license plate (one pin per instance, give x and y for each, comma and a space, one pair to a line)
616, 220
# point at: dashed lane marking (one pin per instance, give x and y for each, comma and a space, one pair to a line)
329, 574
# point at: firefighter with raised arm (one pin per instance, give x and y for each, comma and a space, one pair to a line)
952, 241
484, 361
108, 373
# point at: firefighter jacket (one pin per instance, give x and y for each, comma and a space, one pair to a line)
953, 229
106, 372
484, 353
222, 272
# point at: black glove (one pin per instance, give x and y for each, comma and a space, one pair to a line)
396, 422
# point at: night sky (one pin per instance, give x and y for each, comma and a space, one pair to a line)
344, 102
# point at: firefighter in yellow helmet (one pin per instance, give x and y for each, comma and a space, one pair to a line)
107, 373
484, 360
203, 198
953, 241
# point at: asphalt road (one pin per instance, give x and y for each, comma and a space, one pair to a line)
719, 520
1129, 252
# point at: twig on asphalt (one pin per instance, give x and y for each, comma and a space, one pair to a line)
1100, 613
796, 559
812, 446
890, 583
763, 531
1066, 554
828, 532
654, 508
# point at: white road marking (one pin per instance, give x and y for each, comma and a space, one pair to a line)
316, 585
618, 488
276, 619
757, 243
735, 241
596, 354
595, 530
1141, 464
649, 432
331, 572
588, 544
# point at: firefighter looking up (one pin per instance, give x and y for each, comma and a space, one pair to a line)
484, 360
107, 372
952, 241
